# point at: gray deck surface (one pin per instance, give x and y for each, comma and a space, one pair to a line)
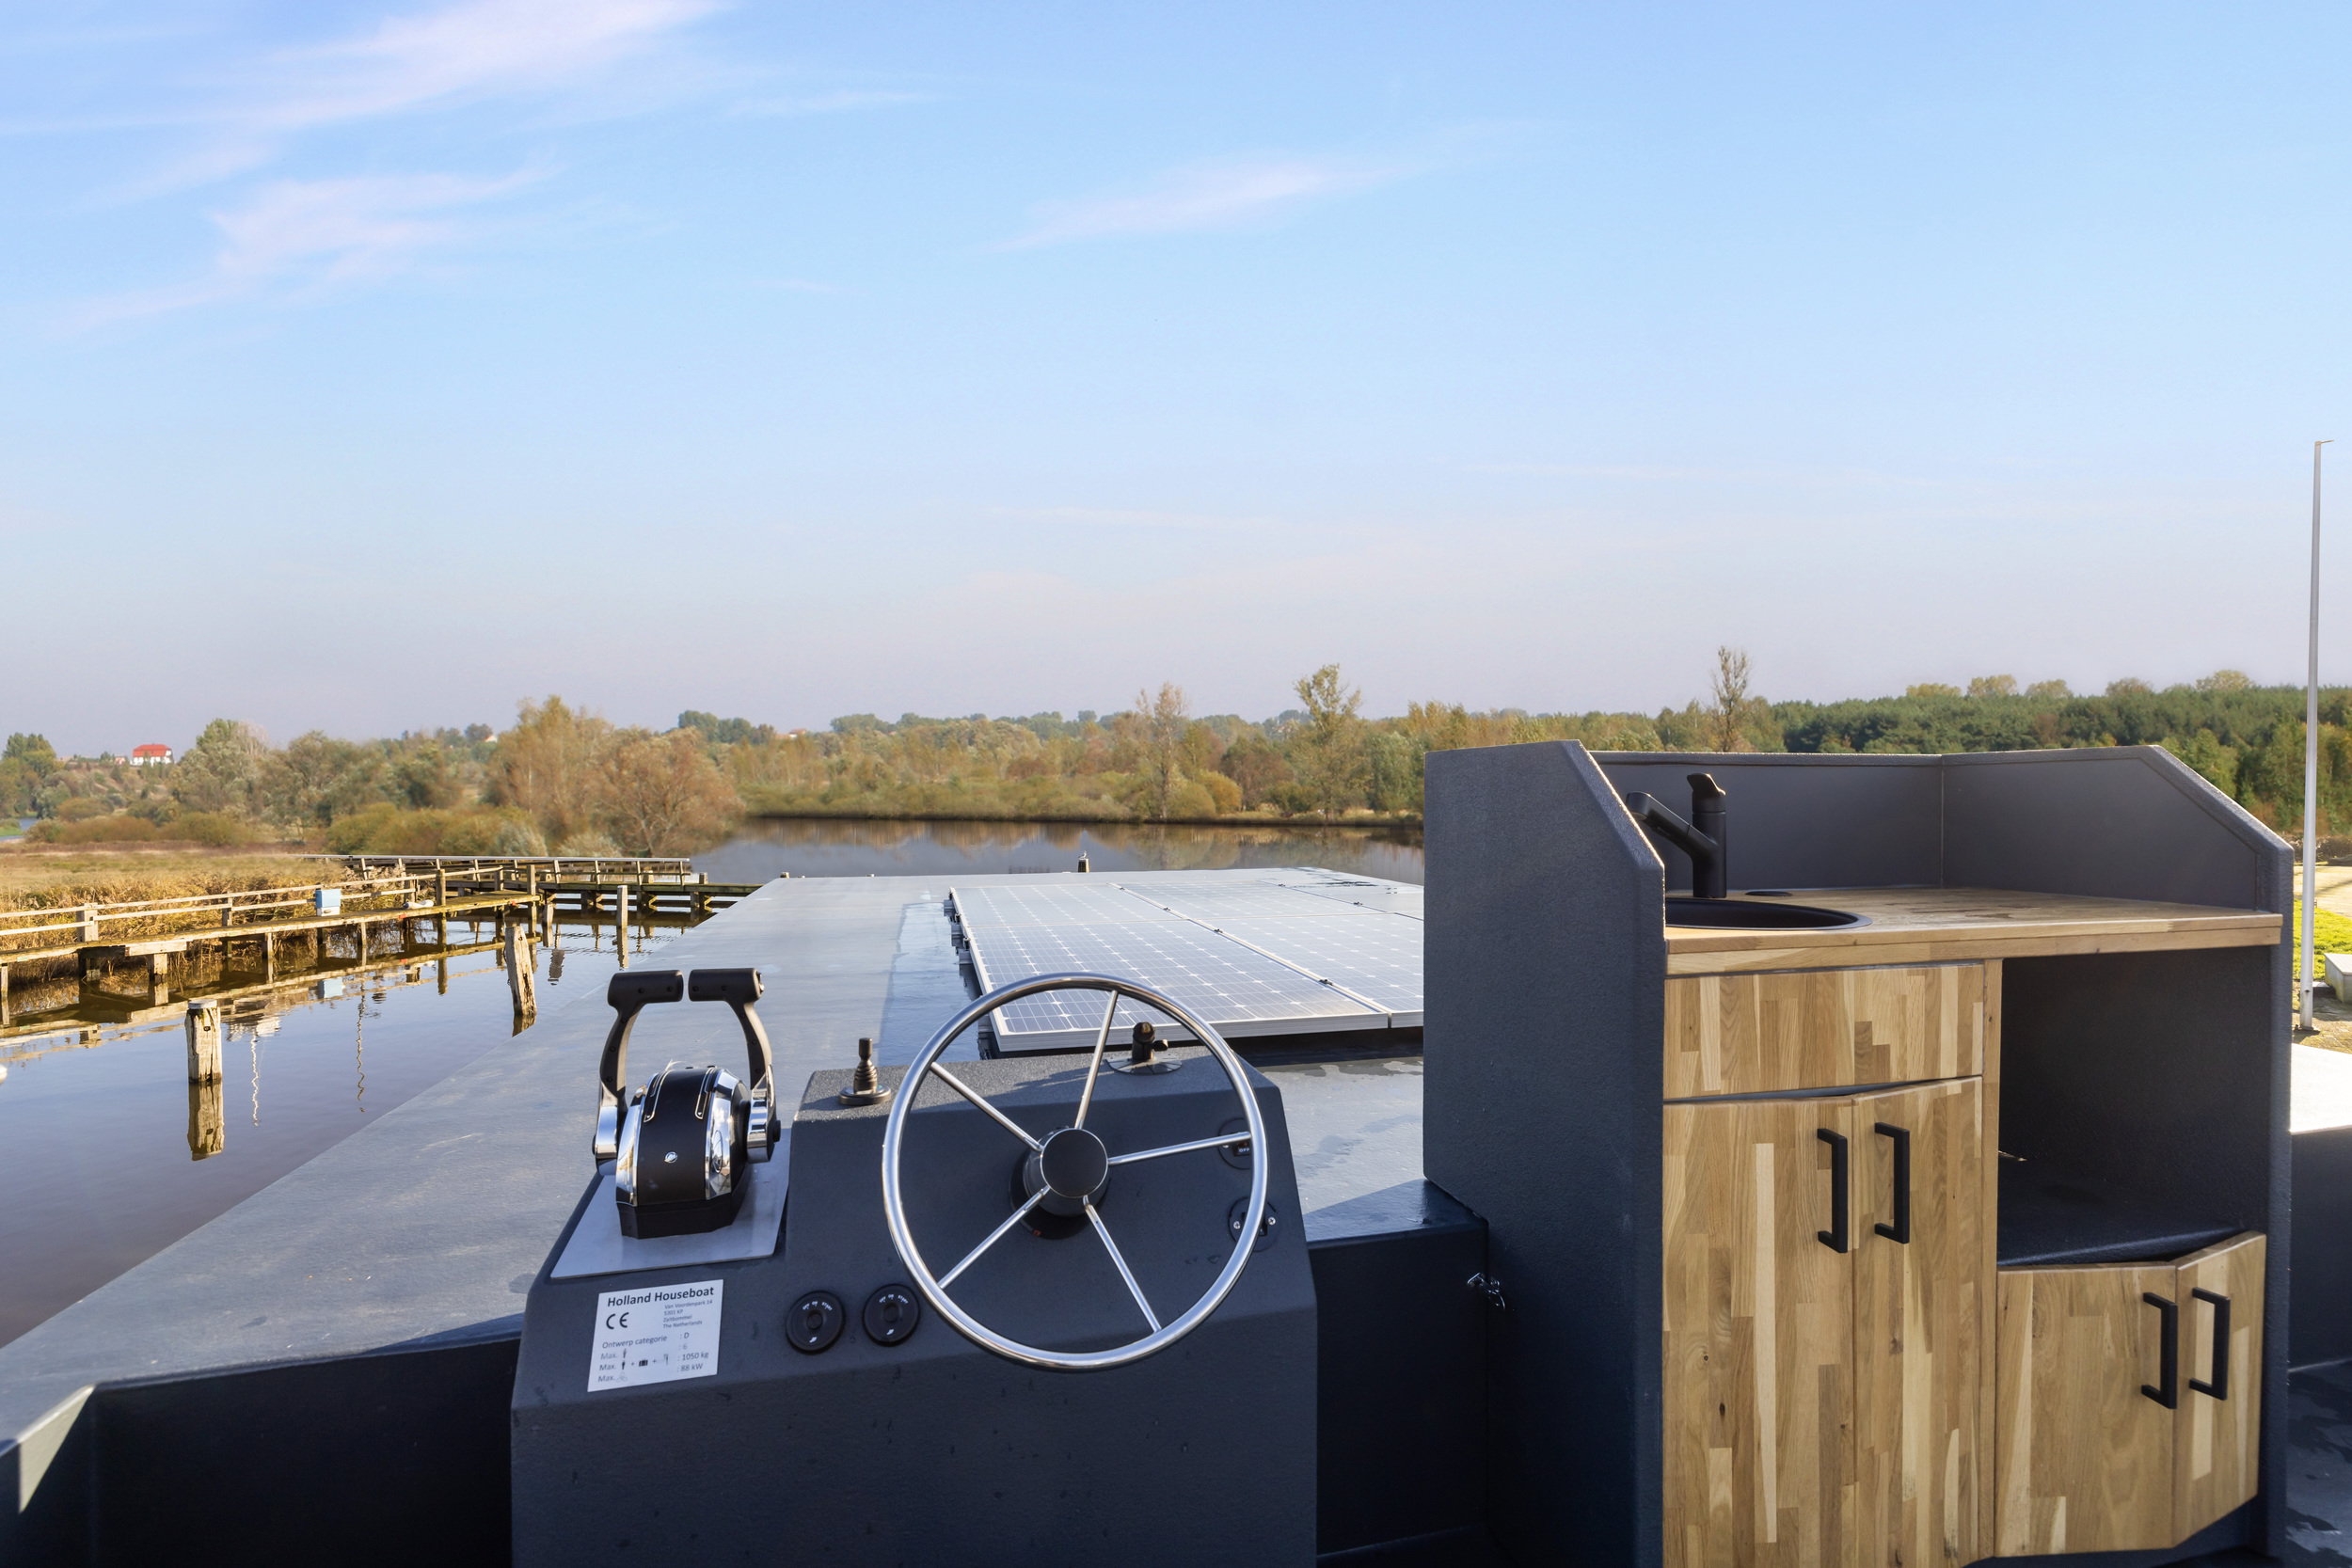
432, 1222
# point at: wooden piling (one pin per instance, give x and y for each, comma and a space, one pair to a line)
620, 922
204, 1026
519, 978
208, 1127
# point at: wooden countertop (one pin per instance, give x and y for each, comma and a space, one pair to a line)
1947, 925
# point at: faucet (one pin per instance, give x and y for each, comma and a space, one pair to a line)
1703, 838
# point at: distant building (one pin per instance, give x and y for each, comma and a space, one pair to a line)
142, 755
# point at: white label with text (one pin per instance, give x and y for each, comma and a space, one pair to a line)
656, 1334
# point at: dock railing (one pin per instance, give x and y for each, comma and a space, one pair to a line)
69, 925
603, 870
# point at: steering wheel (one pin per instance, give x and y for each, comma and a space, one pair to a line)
1065, 1170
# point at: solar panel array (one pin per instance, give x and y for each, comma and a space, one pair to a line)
1264, 956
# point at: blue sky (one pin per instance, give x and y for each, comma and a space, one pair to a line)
370, 366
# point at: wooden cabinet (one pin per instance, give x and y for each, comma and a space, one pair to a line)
1822, 1028
2119, 1427
1822, 1329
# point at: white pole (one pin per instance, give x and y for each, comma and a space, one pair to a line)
2311, 765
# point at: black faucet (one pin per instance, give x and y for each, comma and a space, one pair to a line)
1703, 838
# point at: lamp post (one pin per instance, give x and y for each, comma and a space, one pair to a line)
2310, 766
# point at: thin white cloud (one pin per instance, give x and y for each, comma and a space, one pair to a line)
473, 49
422, 61
1207, 196
301, 238
828, 103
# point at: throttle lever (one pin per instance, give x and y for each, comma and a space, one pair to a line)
629, 994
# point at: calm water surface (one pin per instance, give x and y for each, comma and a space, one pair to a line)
97, 1120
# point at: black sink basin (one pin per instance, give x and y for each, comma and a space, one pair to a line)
1743, 914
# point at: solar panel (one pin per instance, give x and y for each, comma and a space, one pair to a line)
1070, 903
1379, 898
1377, 958
1250, 958
1218, 902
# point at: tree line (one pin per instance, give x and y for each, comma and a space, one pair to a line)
561, 780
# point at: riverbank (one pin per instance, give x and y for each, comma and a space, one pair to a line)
1295, 821
41, 875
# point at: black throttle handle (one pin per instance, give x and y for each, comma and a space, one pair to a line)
628, 995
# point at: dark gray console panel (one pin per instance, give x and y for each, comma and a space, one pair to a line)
932, 1449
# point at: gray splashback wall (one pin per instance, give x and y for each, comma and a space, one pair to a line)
2118, 822
1804, 820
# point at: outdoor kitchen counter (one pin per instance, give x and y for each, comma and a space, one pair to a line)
1943, 924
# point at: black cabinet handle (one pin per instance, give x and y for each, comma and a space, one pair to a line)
2169, 1357
2219, 1387
1901, 1230
1835, 1238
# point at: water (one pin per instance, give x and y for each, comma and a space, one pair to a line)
816, 847
97, 1120
100, 1129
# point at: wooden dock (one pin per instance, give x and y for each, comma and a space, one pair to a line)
386, 903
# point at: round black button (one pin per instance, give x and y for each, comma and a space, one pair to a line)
1074, 1162
891, 1314
814, 1321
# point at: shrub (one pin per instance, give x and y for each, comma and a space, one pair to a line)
97, 829
210, 828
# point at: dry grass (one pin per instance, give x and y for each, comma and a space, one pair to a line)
48, 876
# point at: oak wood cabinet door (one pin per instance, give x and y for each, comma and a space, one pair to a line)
2084, 1455
2218, 1429
1759, 1295
1921, 1322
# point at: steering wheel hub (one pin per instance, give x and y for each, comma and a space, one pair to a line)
1075, 1163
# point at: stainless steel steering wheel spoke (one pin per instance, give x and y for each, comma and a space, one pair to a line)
1124, 1272
981, 1100
1101, 1038
1227, 1141
902, 1112
994, 1237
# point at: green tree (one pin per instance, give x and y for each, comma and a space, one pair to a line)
1328, 751
1993, 686
1256, 766
1154, 738
222, 772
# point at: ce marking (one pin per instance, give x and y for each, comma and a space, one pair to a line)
622, 1316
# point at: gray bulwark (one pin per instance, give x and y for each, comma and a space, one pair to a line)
423, 1231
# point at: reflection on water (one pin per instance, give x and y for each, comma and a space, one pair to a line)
825, 847
109, 1154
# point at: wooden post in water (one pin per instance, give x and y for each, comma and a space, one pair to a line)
519, 978
4, 996
207, 1128
269, 957
204, 1026
620, 922
158, 979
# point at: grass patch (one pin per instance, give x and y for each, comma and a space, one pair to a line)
2332, 933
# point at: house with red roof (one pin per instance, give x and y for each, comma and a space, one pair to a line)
142, 755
